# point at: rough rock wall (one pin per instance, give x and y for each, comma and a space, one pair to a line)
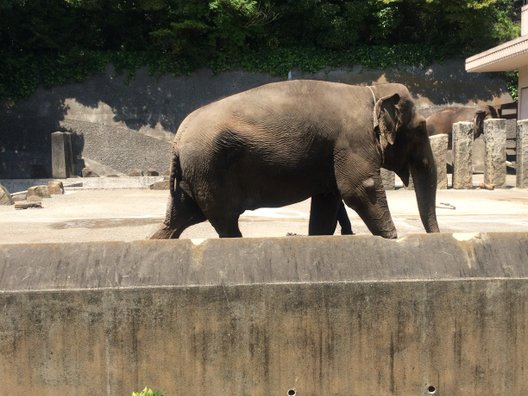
147, 108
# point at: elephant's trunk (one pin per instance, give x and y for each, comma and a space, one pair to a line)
423, 172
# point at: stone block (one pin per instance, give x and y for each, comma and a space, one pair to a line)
439, 145
495, 132
522, 154
462, 155
55, 187
61, 155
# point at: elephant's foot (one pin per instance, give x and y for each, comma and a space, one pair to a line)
163, 233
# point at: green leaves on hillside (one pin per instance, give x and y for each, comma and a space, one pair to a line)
50, 42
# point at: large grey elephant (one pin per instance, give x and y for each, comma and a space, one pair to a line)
442, 121
284, 142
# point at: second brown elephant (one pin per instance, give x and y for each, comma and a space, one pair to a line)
442, 121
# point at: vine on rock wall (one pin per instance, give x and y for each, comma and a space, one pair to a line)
45, 43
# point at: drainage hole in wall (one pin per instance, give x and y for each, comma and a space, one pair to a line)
431, 390
291, 392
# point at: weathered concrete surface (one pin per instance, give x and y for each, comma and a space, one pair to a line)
321, 315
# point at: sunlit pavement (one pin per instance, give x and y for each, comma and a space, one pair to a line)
134, 214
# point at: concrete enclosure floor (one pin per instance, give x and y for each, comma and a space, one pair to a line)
134, 214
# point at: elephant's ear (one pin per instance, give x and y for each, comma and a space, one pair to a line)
387, 117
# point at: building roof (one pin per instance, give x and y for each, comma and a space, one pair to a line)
511, 55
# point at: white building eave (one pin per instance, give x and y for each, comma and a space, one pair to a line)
505, 57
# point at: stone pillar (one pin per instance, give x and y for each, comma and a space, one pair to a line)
495, 131
439, 145
462, 155
388, 178
61, 155
521, 154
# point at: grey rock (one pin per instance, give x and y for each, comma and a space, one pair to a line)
38, 191
55, 187
87, 172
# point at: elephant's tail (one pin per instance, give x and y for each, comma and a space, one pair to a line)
176, 171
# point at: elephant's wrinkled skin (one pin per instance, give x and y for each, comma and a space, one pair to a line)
285, 142
442, 121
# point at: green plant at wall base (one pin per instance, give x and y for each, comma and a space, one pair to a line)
512, 84
147, 392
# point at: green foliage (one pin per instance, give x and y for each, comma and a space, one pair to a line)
512, 79
147, 392
44, 43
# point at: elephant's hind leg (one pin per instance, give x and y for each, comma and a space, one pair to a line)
182, 212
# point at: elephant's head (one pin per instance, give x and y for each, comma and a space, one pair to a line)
482, 114
405, 148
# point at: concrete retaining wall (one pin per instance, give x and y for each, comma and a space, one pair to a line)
426, 314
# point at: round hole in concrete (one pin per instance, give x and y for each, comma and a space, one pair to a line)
291, 392
431, 390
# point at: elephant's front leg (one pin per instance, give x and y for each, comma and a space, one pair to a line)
370, 203
323, 214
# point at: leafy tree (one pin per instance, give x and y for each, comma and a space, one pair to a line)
50, 42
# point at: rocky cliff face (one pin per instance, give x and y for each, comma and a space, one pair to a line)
122, 125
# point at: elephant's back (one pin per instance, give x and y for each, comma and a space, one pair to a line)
288, 107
